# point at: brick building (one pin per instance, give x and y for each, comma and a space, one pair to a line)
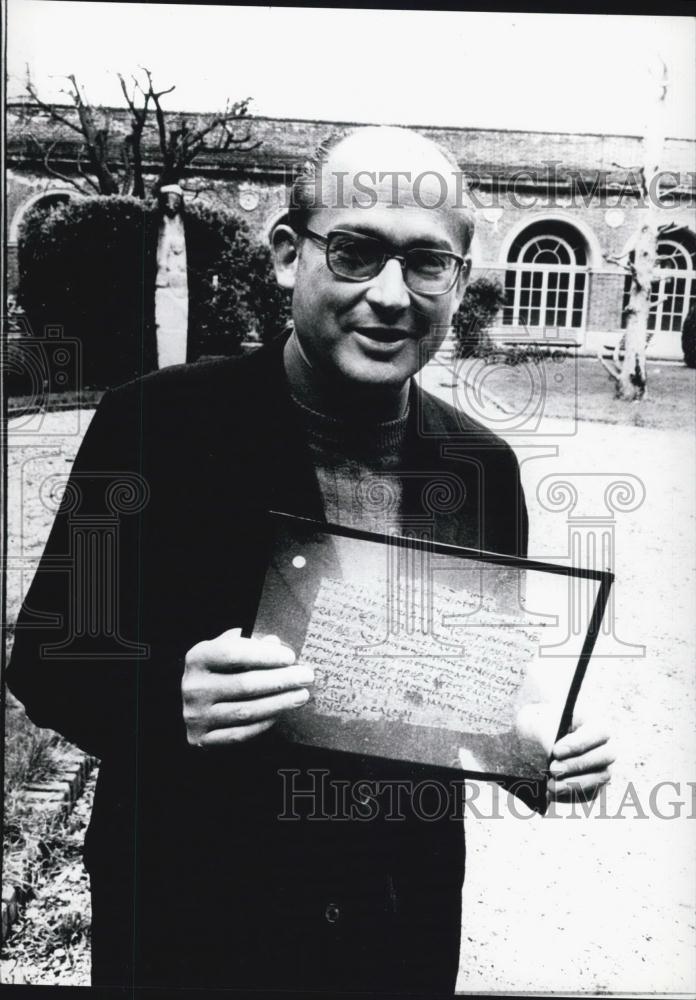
553, 209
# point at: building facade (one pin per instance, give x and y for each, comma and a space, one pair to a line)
556, 212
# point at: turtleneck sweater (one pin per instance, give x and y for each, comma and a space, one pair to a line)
357, 455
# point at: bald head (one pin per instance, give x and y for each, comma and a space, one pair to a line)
383, 166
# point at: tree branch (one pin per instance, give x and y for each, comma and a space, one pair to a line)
46, 155
159, 114
33, 93
670, 227
662, 298
628, 267
234, 113
93, 184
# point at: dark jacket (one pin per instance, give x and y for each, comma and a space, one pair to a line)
162, 541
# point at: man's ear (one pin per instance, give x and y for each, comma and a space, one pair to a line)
284, 249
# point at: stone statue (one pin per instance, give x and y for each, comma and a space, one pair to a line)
171, 287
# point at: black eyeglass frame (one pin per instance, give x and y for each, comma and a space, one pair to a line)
325, 241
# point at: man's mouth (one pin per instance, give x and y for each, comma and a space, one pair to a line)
386, 335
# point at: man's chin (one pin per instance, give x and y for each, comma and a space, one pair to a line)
370, 365
377, 373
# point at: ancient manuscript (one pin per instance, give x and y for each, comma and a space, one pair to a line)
430, 656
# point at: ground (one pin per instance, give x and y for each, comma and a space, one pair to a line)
601, 904
49, 944
598, 904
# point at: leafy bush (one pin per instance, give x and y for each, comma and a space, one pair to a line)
688, 338
233, 293
89, 266
482, 301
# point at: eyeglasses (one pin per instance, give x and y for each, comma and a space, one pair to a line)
355, 257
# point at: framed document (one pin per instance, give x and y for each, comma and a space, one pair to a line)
429, 652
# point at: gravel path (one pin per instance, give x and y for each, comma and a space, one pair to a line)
595, 904
604, 904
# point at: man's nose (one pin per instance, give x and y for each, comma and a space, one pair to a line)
388, 292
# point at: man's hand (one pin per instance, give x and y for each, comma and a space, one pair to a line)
234, 688
579, 764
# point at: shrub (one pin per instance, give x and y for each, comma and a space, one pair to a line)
688, 338
89, 266
482, 301
233, 293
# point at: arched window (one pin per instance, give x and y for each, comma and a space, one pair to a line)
50, 202
546, 277
673, 290
43, 204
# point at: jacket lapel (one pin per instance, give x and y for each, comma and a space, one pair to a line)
277, 463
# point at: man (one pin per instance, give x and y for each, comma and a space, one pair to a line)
196, 881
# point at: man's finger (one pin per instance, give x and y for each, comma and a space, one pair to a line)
583, 786
597, 759
246, 713
259, 683
584, 738
227, 737
229, 653
231, 633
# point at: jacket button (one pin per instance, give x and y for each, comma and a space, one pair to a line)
332, 913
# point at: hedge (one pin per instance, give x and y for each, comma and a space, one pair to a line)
89, 267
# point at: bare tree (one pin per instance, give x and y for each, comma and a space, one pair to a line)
93, 125
109, 162
639, 264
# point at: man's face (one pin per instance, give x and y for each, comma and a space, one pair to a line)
371, 332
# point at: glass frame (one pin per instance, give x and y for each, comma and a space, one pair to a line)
285, 607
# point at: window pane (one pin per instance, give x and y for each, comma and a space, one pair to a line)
510, 277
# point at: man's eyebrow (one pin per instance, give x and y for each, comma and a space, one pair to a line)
366, 230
